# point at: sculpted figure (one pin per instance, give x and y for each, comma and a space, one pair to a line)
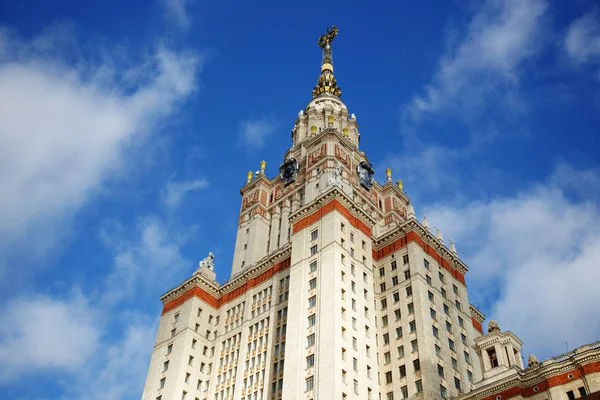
493, 326
532, 361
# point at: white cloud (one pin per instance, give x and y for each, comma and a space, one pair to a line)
253, 132
501, 36
66, 127
533, 259
176, 10
148, 261
43, 333
582, 41
176, 191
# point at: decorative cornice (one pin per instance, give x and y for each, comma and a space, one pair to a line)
475, 313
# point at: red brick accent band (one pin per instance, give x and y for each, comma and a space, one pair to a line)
227, 297
477, 325
413, 236
552, 381
330, 206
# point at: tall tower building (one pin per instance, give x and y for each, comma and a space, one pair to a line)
336, 291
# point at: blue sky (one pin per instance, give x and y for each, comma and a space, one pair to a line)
127, 130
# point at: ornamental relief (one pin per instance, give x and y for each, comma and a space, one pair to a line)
250, 200
343, 157
316, 155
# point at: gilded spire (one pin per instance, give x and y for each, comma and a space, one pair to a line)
327, 83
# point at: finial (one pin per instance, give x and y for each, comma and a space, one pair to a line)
345, 132
400, 185
410, 210
330, 119
313, 129
327, 83
388, 174
425, 223
263, 166
452, 247
438, 235
249, 178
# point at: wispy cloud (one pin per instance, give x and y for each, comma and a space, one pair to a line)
66, 129
177, 11
582, 41
253, 132
176, 191
529, 254
501, 36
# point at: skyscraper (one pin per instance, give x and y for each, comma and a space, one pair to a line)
336, 291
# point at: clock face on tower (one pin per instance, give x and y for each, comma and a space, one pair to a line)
365, 174
288, 171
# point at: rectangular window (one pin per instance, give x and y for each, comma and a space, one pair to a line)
343, 376
455, 289
407, 274
312, 284
314, 235
310, 381
170, 348
352, 237
428, 279
451, 344
352, 269
398, 332
408, 291
430, 296
354, 304
394, 280
312, 320
354, 343
397, 314
404, 390
313, 250
411, 308
312, 301
310, 361
355, 364
444, 293
396, 296
443, 392
393, 267
383, 304
173, 332
433, 314
388, 377
353, 286
313, 266
582, 392
191, 360
405, 259
436, 333
440, 371
457, 384
386, 357
467, 358
400, 351
470, 376
386, 338
441, 277
416, 365
382, 271
412, 326
448, 326
354, 323
402, 371
384, 320
162, 383
461, 323
419, 386
194, 341
415, 345
454, 364
355, 386
446, 310
364, 245
426, 263
463, 338
458, 305
390, 396
176, 317
382, 286
438, 351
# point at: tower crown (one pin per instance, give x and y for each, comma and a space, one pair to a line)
327, 84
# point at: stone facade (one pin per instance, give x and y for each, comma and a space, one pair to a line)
336, 291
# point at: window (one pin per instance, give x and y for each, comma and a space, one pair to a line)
441, 277
183, 395
397, 314
419, 386
440, 370
190, 360
571, 395
467, 358
470, 376
383, 304
436, 333
407, 274
382, 271
398, 332
355, 386
310, 361
388, 377
446, 310
384, 320
448, 326
342, 227
353, 286
402, 371
408, 291
314, 235
444, 293
582, 392
313, 250
428, 279
364, 245
394, 265
430, 296
411, 308
194, 341
368, 372
463, 338
313, 266
354, 323
343, 294
443, 392
404, 391
354, 343
400, 351
412, 326
310, 381
396, 297
386, 338
433, 314
451, 344
187, 377
312, 320
455, 289
426, 263
343, 354
354, 304
394, 280
162, 382
169, 348
352, 252
458, 305
173, 332
368, 350
405, 259
414, 345
390, 396
352, 237
343, 376
355, 364
454, 364
312, 301
461, 323
176, 317
386, 357
352, 269
416, 365
438, 351
365, 277
382, 286
312, 284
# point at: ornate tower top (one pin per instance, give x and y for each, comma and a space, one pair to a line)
327, 84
